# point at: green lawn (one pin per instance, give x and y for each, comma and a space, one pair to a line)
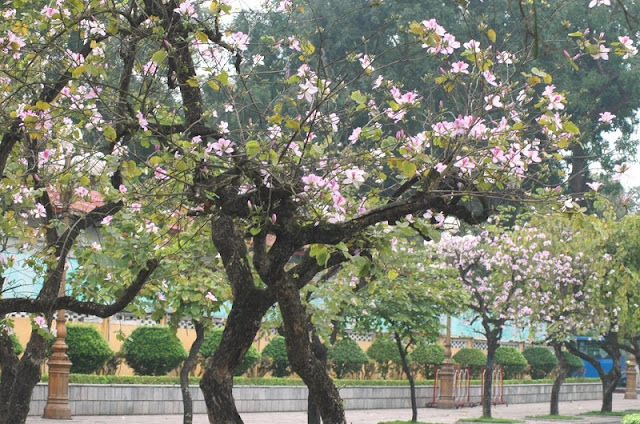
554, 417
488, 420
405, 422
613, 413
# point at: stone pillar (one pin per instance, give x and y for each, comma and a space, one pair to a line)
57, 407
446, 374
630, 393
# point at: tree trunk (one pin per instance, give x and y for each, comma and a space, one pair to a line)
563, 372
9, 362
487, 388
407, 371
27, 376
309, 368
242, 326
189, 363
320, 351
609, 383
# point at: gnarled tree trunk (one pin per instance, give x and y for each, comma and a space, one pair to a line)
27, 376
9, 362
320, 351
312, 371
242, 326
189, 363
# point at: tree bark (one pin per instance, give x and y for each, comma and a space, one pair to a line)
242, 326
487, 388
563, 372
189, 363
309, 368
27, 376
9, 362
609, 380
407, 371
320, 351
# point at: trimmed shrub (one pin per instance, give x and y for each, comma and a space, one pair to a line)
211, 343
631, 419
541, 361
511, 360
17, 347
471, 357
428, 356
275, 357
575, 363
88, 351
153, 351
384, 353
347, 356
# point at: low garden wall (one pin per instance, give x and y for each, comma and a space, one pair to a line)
123, 399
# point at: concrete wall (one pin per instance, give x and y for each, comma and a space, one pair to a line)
104, 399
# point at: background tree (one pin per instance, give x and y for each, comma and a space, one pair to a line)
541, 361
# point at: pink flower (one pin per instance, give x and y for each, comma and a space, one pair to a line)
160, 174
211, 297
106, 220
440, 167
40, 211
460, 67
81, 191
41, 322
555, 102
122, 188
620, 170
144, 124
606, 117
594, 186
355, 134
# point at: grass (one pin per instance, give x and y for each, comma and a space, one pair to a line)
555, 417
489, 420
263, 381
404, 422
613, 413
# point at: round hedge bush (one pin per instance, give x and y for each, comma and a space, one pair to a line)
541, 361
17, 347
153, 351
511, 360
428, 356
575, 363
276, 357
212, 341
384, 352
470, 357
347, 356
88, 351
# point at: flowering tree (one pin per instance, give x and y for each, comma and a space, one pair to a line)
336, 148
406, 298
498, 269
564, 303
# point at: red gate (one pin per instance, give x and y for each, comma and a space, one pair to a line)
461, 388
497, 386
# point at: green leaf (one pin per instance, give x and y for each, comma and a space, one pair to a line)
359, 97
392, 274
492, 35
159, 56
253, 147
571, 127
109, 133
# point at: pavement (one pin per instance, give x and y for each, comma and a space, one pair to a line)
374, 416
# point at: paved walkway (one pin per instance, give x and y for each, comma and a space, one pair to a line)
374, 416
